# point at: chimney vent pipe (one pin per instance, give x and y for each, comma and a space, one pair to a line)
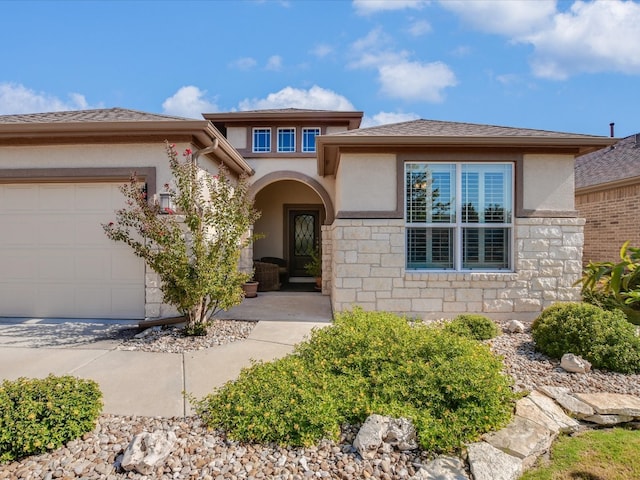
611, 125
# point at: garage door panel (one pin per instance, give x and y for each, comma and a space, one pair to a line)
17, 264
56, 260
23, 231
17, 198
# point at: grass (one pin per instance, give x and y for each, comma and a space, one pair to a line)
610, 454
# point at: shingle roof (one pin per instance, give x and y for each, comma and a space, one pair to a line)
612, 164
82, 116
433, 128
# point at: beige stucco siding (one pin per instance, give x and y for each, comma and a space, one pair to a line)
97, 156
548, 182
237, 136
366, 182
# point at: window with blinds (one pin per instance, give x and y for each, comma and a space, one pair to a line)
459, 216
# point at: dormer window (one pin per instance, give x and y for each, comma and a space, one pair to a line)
261, 140
309, 139
286, 140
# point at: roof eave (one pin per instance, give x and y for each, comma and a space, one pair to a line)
329, 145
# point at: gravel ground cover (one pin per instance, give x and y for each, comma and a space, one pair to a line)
203, 454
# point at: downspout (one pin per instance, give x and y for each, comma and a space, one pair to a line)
204, 151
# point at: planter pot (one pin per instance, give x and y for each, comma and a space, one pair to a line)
318, 283
250, 289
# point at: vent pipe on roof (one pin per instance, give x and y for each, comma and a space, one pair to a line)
637, 139
611, 125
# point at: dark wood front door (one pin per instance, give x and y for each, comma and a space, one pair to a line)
303, 238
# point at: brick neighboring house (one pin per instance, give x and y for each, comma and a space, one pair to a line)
608, 197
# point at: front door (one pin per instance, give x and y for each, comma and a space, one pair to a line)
303, 238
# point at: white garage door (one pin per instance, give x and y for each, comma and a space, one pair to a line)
56, 261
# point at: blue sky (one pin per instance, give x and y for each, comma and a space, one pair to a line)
570, 66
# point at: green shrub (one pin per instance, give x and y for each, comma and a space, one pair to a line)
37, 415
367, 362
477, 327
615, 285
604, 338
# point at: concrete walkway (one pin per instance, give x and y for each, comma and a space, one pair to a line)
151, 384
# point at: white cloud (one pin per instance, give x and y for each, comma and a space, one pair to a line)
512, 18
190, 102
590, 37
316, 98
244, 63
400, 77
384, 118
419, 28
417, 81
322, 50
274, 63
16, 98
368, 7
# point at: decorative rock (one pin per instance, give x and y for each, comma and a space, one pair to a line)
489, 463
443, 468
522, 438
565, 423
526, 408
515, 326
575, 407
607, 420
575, 364
147, 451
611, 403
371, 435
401, 434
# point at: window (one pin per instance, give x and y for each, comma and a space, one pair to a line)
459, 216
309, 139
261, 140
286, 140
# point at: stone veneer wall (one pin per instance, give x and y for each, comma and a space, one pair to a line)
368, 269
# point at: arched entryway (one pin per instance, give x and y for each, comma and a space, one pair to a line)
294, 207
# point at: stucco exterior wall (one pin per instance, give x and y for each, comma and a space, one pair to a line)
368, 270
548, 182
366, 182
237, 136
98, 156
612, 219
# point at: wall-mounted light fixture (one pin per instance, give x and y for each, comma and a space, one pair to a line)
166, 203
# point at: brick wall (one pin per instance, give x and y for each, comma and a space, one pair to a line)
368, 270
612, 219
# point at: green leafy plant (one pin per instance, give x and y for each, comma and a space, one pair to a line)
196, 252
451, 387
604, 338
37, 415
475, 326
615, 285
314, 267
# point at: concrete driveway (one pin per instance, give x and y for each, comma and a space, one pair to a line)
152, 384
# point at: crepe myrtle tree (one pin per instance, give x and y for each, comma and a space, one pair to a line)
196, 251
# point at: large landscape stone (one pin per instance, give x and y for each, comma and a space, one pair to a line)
147, 451
489, 463
371, 435
576, 408
607, 420
611, 403
565, 423
522, 438
401, 434
575, 364
443, 468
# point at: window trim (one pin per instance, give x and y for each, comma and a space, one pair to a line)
254, 130
318, 131
458, 226
279, 146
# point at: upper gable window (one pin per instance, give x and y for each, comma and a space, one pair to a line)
261, 140
309, 139
286, 140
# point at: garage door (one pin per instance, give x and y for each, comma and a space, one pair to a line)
55, 260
